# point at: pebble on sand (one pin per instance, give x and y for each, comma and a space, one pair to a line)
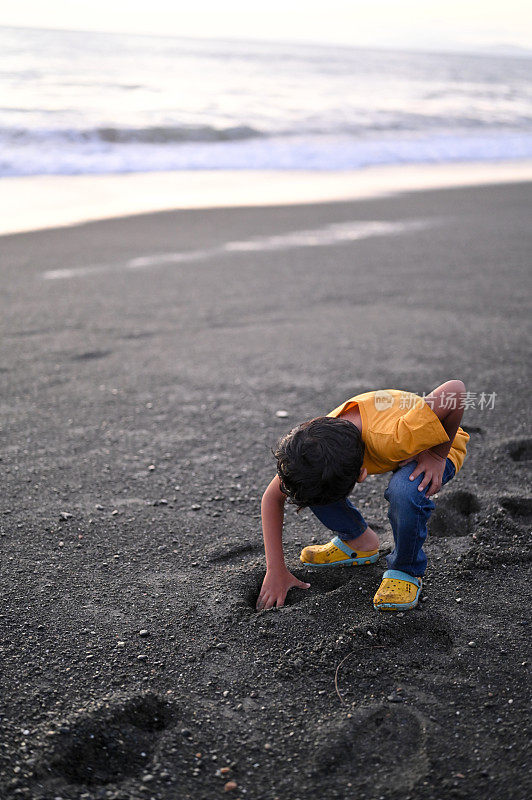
281, 413
230, 786
394, 698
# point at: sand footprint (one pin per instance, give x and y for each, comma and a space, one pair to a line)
520, 450
472, 429
372, 748
235, 552
454, 514
519, 508
109, 744
91, 355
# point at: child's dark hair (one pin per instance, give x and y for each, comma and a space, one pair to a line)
319, 461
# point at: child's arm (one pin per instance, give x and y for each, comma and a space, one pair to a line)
432, 461
450, 418
278, 579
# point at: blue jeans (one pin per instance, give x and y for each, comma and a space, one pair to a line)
408, 512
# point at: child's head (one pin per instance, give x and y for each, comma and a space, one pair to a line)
320, 461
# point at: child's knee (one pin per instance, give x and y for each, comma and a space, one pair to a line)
401, 490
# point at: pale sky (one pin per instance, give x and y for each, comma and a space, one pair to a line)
425, 24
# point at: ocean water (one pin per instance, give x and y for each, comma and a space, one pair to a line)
76, 103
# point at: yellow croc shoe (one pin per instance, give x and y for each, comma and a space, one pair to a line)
398, 591
336, 554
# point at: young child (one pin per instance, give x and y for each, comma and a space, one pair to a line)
319, 462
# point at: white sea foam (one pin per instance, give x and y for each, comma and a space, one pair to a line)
317, 237
74, 272
277, 153
321, 237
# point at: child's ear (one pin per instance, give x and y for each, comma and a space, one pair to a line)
363, 475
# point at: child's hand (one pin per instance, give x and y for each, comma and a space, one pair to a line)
432, 465
275, 585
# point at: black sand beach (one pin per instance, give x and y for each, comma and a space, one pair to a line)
139, 404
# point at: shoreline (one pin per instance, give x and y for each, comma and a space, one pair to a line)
32, 203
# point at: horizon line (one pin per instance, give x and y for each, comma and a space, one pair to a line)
515, 50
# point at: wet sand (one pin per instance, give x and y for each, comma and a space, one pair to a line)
143, 361
36, 202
